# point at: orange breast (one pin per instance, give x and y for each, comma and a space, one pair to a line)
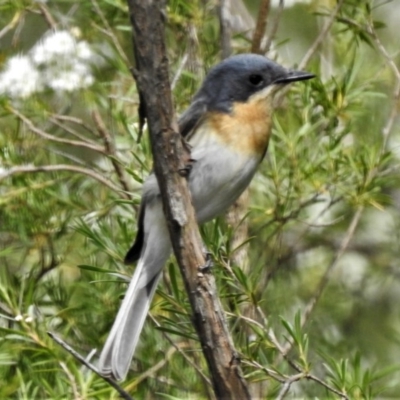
246, 129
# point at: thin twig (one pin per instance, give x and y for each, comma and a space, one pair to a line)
286, 386
18, 30
194, 63
47, 15
325, 385
179, 70
284, 390
111, 151
82, 360
52, 138
60, 167
328, 272
296, 367
110, 32
325, 278
356, 218
396, 91
261, 25
71, 131
276, 375
275, 25
12, 24
76, 121
183, 354
322, 35
54, 262
72, 380
292, 214
67, 156
281, 349
152, 370
225, 29
247, 319
312, 50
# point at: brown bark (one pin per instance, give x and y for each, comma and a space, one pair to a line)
153, 83
225, 29
259, 32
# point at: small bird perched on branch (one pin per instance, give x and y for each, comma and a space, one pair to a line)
227, 126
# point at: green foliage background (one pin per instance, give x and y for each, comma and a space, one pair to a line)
322, 283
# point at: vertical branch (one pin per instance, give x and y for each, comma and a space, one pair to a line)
236, 218
225, 28
310, 306
153, 82
109, 146
275, 24
260, 27
194, 62
236, 214
322, 35
394, 112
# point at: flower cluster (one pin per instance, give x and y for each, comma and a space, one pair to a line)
58, 62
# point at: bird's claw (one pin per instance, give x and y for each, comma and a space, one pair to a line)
208, 264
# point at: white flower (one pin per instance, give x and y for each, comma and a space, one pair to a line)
56, 45
19, 317
84, 52
65, 61
64, 44
40, 55
58, 61
20, 77
60, 43
69, 77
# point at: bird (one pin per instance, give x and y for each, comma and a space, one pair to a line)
227, 127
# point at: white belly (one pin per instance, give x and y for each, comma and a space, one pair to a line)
218, 177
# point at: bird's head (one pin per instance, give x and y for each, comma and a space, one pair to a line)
242, 77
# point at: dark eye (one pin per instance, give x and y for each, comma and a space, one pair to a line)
256, 80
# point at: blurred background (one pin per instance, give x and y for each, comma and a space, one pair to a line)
306, 261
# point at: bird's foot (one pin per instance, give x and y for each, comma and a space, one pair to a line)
209, 262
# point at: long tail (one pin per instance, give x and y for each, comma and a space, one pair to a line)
119, 348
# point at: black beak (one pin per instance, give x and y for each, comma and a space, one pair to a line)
294, 76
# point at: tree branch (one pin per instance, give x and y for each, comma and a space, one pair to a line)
52, 138
309, 308
225, 29
322, 35
47, 15
168, 151
111, 151
74, 120
109, 32
12, 24
274, 28
61, 167
259, 32
183, 354
396, 90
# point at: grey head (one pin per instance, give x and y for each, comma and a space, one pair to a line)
236, 79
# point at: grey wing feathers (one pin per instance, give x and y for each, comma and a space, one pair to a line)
134, 252
191, 117
188, 122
